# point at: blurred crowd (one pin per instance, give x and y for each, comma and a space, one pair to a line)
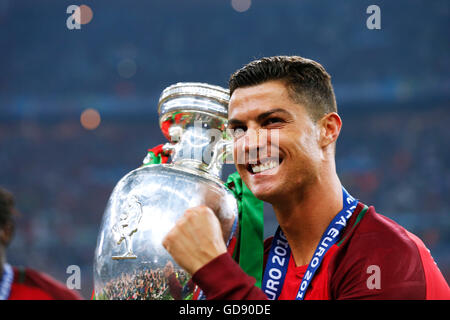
148, 284
399, 162
149, 49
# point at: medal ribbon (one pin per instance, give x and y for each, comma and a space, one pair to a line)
6, 282
280, 252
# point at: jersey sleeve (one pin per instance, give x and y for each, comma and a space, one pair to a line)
223, 279
37, 285
437, 287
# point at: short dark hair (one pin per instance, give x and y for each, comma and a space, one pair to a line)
307, 81
7, 210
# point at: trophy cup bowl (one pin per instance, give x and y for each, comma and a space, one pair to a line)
130, 261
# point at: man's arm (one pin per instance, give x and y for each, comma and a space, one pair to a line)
223, 279
196, 239
196, 244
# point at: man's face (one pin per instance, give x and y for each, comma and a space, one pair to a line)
277, 133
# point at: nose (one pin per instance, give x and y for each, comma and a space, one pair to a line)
250, 146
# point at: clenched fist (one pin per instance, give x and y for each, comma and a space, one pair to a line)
196, 239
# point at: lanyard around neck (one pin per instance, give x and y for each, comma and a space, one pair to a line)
280, 252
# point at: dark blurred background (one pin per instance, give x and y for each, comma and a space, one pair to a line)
61, 162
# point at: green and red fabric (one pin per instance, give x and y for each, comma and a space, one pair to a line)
156, 155
177, 118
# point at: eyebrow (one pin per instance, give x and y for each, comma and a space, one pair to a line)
264, 115
260, 117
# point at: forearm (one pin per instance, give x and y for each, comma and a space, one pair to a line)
223, 279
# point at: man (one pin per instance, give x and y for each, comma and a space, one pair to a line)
329, 245
23, 283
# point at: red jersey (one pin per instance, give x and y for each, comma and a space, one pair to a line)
375, 259
29, 284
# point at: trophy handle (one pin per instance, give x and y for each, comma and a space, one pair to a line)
175, 133
222, 150
169, 148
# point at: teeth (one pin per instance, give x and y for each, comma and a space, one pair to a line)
265, 166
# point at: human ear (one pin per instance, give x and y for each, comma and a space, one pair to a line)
331, 125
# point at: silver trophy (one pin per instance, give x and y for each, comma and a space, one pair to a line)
130, 261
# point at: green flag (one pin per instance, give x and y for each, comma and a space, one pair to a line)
251, 227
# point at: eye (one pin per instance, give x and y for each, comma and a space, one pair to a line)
273, 120
237, 131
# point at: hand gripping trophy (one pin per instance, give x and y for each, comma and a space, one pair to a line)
130, 261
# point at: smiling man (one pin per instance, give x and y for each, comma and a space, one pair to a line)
328, 245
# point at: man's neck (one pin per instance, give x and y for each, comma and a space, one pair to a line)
304, 216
